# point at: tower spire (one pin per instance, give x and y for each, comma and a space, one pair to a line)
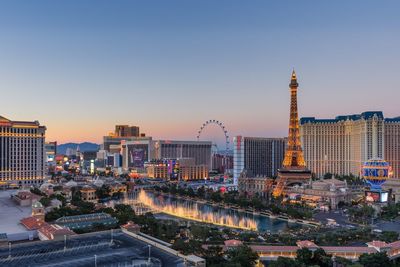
294, 166
294, 153
293, 80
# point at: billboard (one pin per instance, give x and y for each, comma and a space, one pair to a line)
137, 155
376, 196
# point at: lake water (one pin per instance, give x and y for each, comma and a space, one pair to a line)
192, 210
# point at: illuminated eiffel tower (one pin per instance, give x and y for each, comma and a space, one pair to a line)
294, 169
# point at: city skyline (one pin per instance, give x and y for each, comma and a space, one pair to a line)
115, 64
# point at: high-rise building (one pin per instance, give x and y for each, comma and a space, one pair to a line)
294, 166
121, 133
22, 154
136, 152
259, 156
126, 131
50, 149
341, 145
222, 163
200, 151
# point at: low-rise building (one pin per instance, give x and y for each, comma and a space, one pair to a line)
86, 220
88, 194
393, 186
33, 223
26, 198
177, 169
53, 232
252, 186
324, 193
117, 188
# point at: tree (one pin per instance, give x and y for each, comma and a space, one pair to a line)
103, 192
375, 260
389, 236
45, 201
284, 262
342, 262
201, 192
36, 191
191, 192
243, 256
214, 256
304, 256
321, 259
123, 213
199, 232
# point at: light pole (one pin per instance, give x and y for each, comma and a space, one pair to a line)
9, 250
95, 260
112, 237
149, 253
65, 243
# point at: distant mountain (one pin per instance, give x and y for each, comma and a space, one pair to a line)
86, 146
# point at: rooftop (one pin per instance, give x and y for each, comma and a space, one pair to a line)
11, 214
365, 116
86, 220
32, 223
81, 250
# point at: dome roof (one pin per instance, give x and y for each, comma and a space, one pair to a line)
37, 205
45, 186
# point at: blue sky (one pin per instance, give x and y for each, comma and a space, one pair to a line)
79, 67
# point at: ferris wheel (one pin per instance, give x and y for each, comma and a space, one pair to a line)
220, 125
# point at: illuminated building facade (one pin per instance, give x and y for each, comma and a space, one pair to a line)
22, 154
252, 186
136, 152
258, 156
112, 141
200, 151
51, 151
294, 166
392, 144
127, 131
177, 169
342, 145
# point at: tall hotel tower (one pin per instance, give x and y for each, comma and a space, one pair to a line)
21, 152
341, 145
294, 166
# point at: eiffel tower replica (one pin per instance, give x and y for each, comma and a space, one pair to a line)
294, 170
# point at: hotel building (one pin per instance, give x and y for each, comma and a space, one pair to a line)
137, 151
22, 154
258, 156
341, 145
112, 141
200, 151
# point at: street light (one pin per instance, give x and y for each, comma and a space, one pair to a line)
9, 250
149, 252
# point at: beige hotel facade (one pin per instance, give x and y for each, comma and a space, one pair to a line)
22, 154
340, 146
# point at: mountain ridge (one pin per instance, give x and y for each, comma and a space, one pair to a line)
84, 146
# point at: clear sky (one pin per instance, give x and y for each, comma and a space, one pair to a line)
80, 67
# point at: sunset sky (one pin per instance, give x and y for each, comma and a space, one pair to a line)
80, 67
